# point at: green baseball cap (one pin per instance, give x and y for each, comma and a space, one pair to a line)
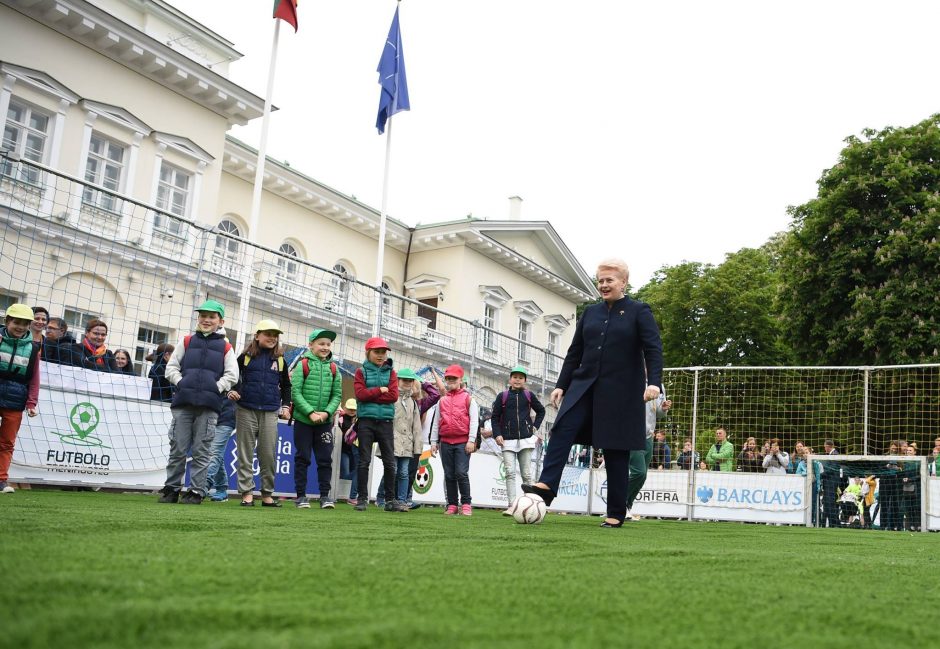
408, 373
321, 333
212, 305
518, 369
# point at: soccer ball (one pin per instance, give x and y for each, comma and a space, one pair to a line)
528, 509
422, 479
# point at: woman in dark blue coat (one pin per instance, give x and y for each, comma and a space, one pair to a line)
605, 386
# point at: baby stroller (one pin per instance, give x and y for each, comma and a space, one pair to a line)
851, 511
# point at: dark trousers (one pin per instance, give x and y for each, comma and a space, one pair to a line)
320, 438
369, 431
578, 418
456, 463
639, 468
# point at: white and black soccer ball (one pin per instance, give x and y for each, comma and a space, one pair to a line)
528, 509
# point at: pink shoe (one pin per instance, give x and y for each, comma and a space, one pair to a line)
352, 502
451, 510
466, 510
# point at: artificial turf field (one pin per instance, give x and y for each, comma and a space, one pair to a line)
86, 569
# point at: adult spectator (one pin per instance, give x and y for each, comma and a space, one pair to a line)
688, 458
38, 325
795, 456
58, 338
910, 492
801, 460
933, 458
749, 459
603, 381
662, 454
92, 353
125, 365
777, 460
720, 456
160, 389
829, 479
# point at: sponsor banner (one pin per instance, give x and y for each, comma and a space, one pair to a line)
574, 490
933, 503
750, 497
93, 439
664, 494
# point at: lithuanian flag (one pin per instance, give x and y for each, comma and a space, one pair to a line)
286, 10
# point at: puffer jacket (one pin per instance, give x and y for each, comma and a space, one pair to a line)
321, 391
407, 427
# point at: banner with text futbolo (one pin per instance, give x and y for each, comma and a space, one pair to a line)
93, 439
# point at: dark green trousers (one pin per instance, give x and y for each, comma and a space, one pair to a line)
639, 466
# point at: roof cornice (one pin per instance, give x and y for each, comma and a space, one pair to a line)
111, 37
291, 185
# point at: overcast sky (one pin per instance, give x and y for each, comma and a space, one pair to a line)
655, 131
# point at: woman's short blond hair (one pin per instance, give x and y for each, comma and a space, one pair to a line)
617, 265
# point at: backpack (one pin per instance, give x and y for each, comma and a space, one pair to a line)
186, 339
504, 397
305, 364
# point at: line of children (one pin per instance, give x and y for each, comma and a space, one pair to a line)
19, 381
455, 425
317, 388
203, 368
407, 428
262, 395
515, 431
376, 387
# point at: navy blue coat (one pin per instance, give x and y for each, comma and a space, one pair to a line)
609, 351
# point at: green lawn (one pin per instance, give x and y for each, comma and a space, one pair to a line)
85, 569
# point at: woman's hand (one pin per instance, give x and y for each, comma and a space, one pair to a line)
652, 392
556, 396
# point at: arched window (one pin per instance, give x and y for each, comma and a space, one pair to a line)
225, 245
286, 266
339, 284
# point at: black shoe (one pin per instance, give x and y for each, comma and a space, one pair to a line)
617, 524
170, 495
273, 503
546, 494
191, 498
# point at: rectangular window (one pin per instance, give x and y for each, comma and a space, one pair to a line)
25, 133
552, 364
427, 308
9, 299
489, 321
148, 337
524, 331
172, 197
105, 167
77, 319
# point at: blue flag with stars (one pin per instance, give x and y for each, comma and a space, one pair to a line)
394, 97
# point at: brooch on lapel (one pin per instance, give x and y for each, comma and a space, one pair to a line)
621, 312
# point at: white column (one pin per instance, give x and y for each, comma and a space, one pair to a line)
127, 209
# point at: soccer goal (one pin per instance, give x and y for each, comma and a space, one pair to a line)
885, 492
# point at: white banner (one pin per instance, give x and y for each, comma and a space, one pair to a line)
89, 382
92, 439
758, 497
933, 503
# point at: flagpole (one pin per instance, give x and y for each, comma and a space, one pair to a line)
380, 256
244, 325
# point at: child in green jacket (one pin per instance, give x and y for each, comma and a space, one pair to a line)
316, 390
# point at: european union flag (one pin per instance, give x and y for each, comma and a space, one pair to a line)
394, 97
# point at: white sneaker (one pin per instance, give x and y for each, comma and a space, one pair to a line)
628, 516
6, 488
508, 512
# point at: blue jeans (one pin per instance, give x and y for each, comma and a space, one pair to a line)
402, 477
218, 477
456, 463
349, 469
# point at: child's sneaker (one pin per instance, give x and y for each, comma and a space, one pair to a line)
380, 503
451, 510
170, 495
191, 498
466, 510
302, 503
413, 505
5, 488
352, 502
219, 496
327, 504
361, 505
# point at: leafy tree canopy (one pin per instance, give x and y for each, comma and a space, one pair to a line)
861, 265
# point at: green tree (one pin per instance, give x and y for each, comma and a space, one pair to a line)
719, 315
861, 266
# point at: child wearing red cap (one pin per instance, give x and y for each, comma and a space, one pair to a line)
376, 388
456, 418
